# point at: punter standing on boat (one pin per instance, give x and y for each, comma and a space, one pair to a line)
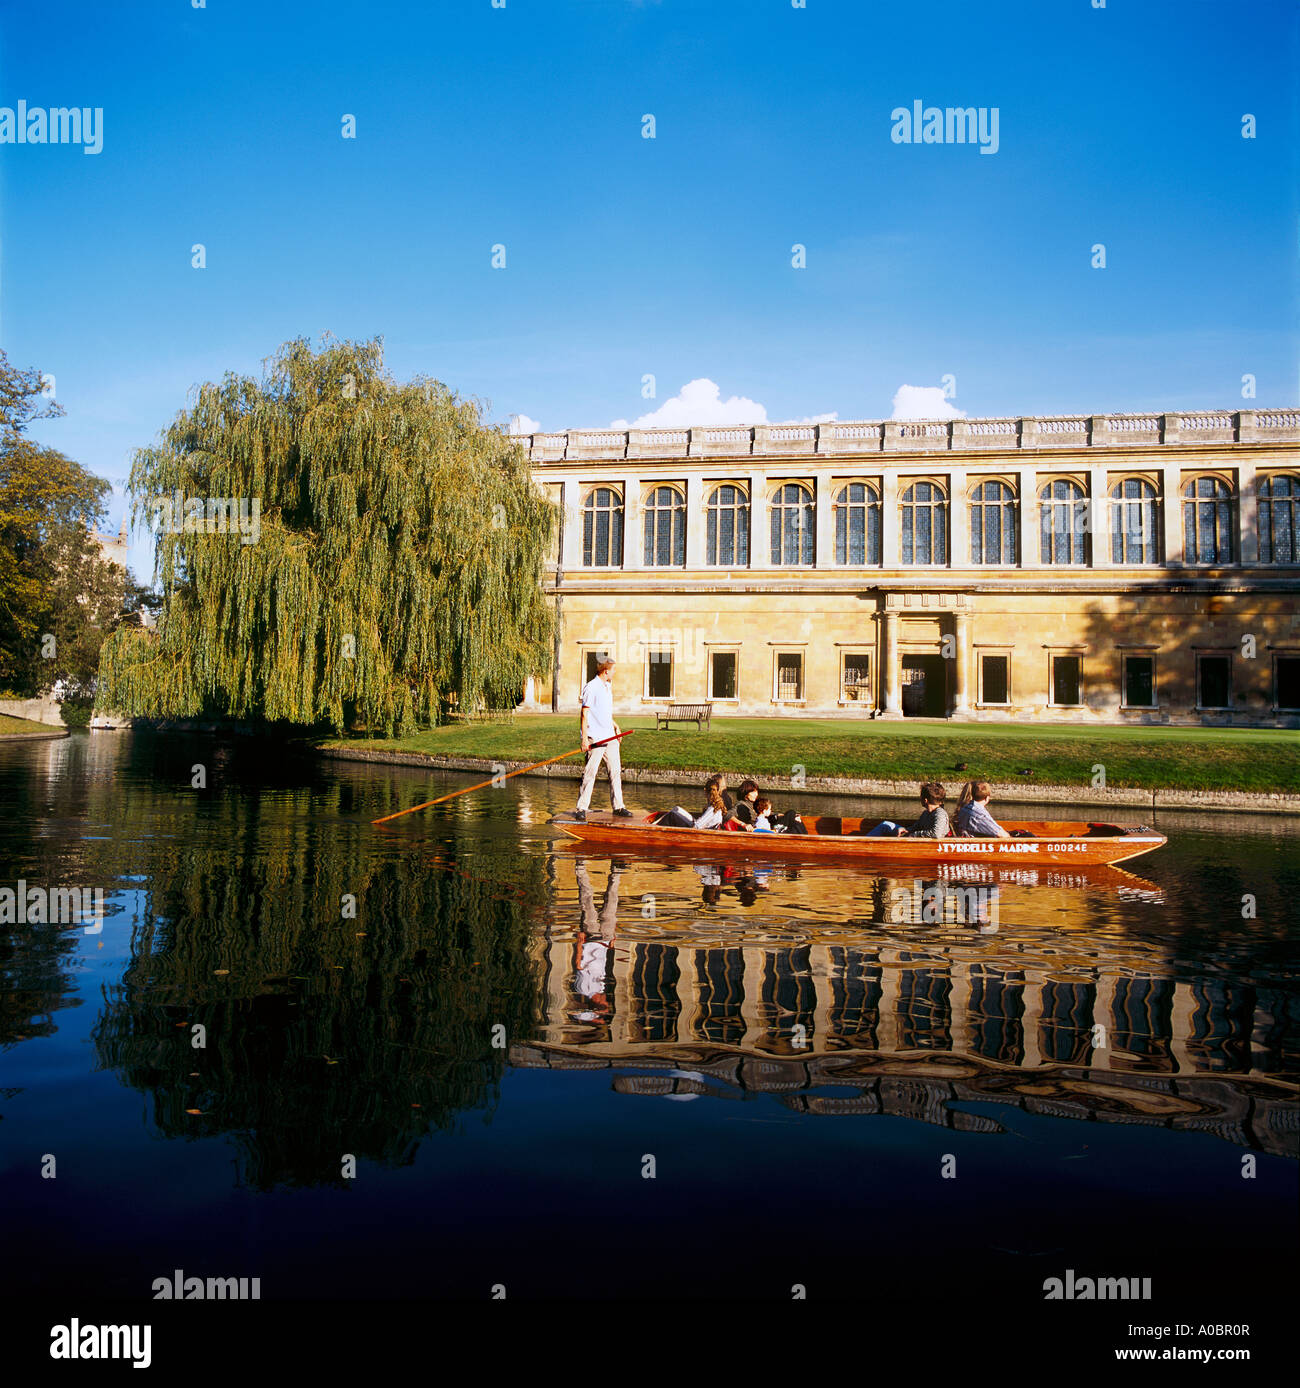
598, 726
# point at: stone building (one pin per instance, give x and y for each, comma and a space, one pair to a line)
1105, 568
113, 549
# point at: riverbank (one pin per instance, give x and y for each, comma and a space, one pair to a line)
1235, 770
24, 729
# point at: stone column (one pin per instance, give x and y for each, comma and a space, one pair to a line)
891, 697
958, 520
571, 558
695, 522
1099, 516
824, 553
1103, 1014
1247, 513
961, 634
1182, 1029
758, 536
1027, 478
889, 519
1171, 511
633, 525
887, 1009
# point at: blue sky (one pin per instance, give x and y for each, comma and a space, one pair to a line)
628, 256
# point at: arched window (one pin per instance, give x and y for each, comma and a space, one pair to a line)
993, 524
923, 516
792, 525
665, 528
602, 529
1209, 522
1135, 536
726, 541
857, 524
1279, 519
1063, 523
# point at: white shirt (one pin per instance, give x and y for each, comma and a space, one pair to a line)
593, 968
710, 819
598, 700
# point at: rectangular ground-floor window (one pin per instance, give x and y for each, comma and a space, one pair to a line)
1286, 681
789, 676
855, 678
589, 659
1067, 679
995, 679
722, 675
659, 675
1139, 681
1213, 681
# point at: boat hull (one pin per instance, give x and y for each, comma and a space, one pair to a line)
1062, 843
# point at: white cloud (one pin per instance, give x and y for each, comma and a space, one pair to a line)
699, 403
923, 402
522, 424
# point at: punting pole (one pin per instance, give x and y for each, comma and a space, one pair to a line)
383, 819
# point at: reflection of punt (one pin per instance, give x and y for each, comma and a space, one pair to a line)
1061, 843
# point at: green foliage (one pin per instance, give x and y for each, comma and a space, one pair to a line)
53, 582
76, 711
392, 521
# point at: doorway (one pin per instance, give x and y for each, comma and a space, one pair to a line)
925, 686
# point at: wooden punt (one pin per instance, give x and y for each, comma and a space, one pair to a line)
1060, 843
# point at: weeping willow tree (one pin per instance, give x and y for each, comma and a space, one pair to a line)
387, 556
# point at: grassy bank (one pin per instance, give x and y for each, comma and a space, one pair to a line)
1258, 760
22, 725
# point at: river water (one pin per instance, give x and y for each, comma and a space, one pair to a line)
454, 1055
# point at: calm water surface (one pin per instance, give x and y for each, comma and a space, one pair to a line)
836, 1080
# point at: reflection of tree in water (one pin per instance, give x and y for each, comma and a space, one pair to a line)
321, 1041
34, 979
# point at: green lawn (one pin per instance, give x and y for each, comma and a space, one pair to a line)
22, 725
1264, 760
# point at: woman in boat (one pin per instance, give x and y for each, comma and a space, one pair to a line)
932, 823
973, 820
742, 816
712, 816
717, 798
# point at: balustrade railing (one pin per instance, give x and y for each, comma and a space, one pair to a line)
919, 435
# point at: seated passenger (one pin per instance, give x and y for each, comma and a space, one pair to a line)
973, 818
787, 822
932, 823
742, 817
715, 789
762, 811
715, 812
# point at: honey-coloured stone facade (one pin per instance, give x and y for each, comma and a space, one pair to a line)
1098, 569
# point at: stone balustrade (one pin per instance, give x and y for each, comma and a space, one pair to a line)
847, 437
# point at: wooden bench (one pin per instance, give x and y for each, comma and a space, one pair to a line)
699, 714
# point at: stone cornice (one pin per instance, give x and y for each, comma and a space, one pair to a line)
983, 439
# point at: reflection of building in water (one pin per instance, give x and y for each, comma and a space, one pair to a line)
1096, 1033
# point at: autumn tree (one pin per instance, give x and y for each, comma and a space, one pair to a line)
390, 561
58, 597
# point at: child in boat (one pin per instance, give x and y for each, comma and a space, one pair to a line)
932, 823
762, 811
973, 820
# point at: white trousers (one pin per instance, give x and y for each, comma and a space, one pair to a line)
610, 753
